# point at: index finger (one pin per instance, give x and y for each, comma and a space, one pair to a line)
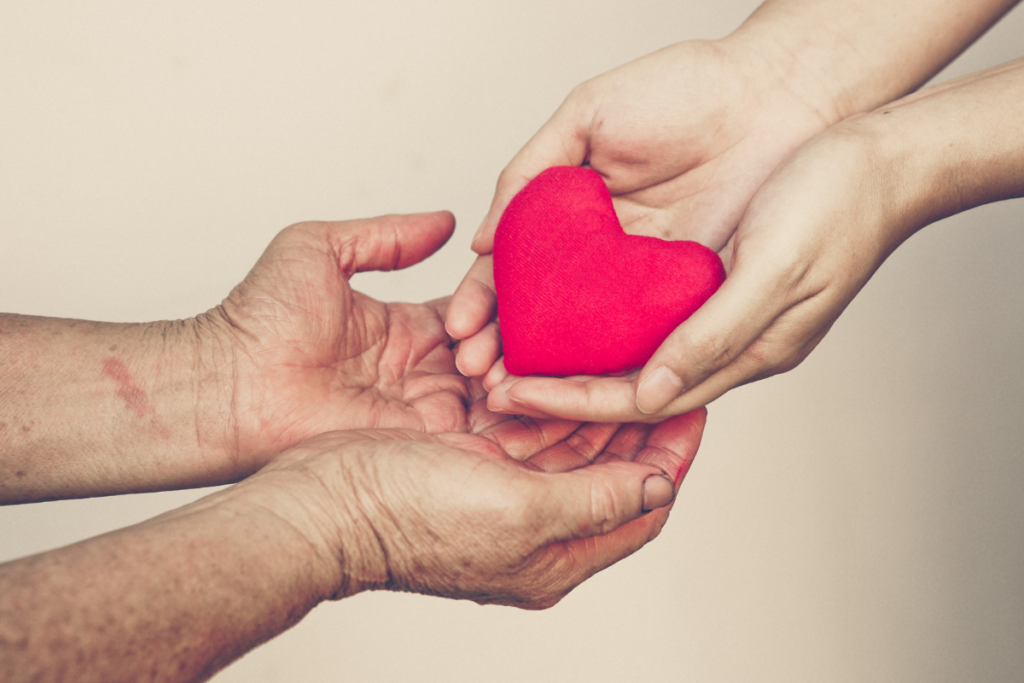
559, 142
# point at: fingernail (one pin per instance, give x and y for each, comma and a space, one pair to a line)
657, 390
658, 492
459, 367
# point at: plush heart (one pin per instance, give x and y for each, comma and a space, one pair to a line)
576, 294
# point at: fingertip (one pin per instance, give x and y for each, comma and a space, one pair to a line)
673, 444
476, 354
439, 225
455, 323
474, 302
657, 389
497, 374
483, 240
498, 400
445, 220
391, 242
659, 491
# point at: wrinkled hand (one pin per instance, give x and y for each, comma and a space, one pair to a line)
683, 138
517, 513
297, 352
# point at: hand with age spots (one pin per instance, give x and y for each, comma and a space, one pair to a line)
488, 507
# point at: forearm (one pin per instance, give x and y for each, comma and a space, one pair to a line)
173, 599
96, 408
846, 57
949, 148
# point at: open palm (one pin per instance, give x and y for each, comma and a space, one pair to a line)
683, 138
308, 354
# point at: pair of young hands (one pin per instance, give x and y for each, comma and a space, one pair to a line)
802, 198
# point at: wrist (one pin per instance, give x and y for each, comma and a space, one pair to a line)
317, 489
217, 358
234, 383
798, 62
849, 58
104, 408
947, 148
874, 173
284, 512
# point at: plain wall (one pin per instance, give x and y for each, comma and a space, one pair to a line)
857, 519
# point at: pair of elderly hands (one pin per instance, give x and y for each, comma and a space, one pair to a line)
392, 462
361, 460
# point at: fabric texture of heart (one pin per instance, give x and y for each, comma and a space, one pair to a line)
576, 294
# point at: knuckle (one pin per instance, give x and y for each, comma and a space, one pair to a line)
708, 352
546, 582
581, 445
605, 509
545, 603
762, 354
766, 360
789, 362
508, 176
524, 515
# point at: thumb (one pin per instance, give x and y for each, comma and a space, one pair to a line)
712, 338
672, 445
598, 499
389, 242
562, 141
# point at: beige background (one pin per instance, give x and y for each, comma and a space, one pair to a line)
857, 519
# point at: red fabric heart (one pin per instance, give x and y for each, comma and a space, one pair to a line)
576, 294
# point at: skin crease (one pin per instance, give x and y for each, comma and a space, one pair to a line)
684, 138
516, 513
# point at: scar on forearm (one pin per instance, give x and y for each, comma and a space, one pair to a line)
135, 399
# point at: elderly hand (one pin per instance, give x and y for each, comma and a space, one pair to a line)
519, 513
102, 408
303, 353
